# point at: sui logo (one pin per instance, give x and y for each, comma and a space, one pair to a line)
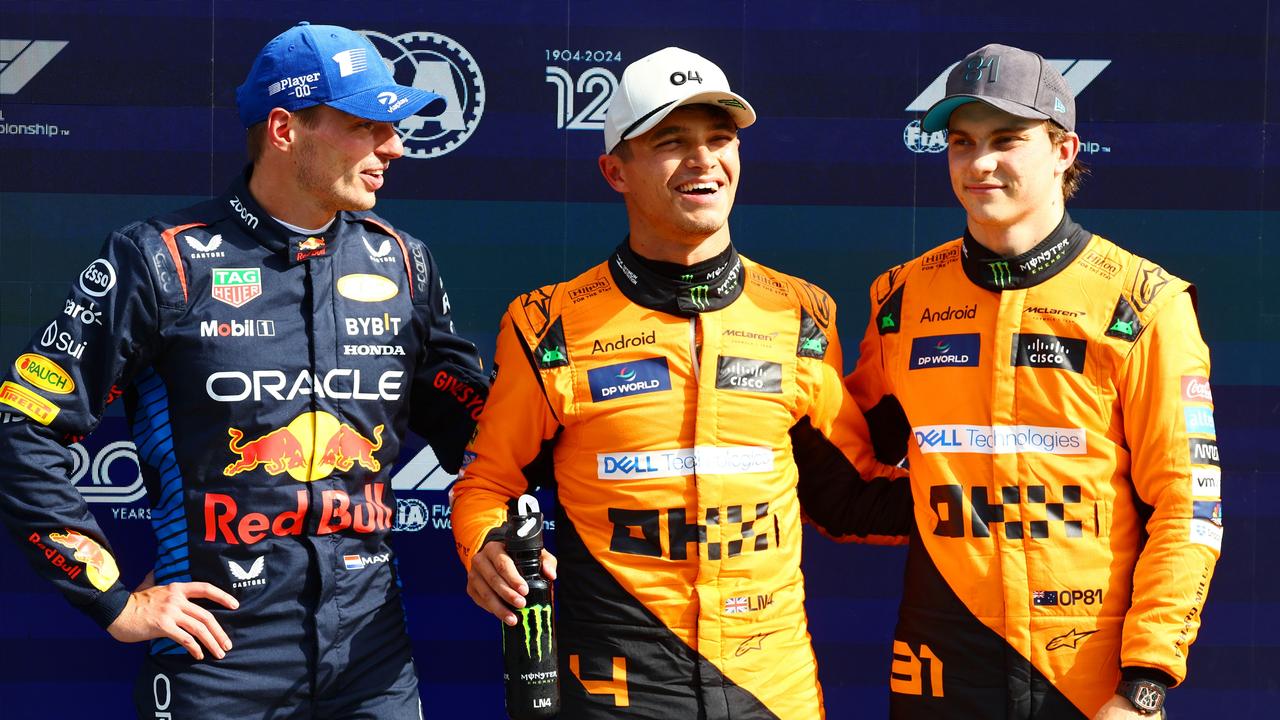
434, 62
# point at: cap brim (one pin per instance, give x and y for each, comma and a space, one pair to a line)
940, 114
737, 106
390, 103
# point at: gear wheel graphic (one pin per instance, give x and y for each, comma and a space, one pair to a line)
431, 61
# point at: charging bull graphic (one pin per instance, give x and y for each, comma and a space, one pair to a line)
279, 450
348, 447
310, 447
99, 565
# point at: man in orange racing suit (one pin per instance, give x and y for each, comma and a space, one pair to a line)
676, 394
1050, 391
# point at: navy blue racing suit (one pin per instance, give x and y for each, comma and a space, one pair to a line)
268, 381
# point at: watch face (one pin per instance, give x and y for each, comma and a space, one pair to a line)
1146, 696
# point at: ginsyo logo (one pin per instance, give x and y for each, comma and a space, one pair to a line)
21, 60
98, 279
1047, 351
238, 328
434, 62
1078, 74
204, 249
250, 577
627, 379
945, 351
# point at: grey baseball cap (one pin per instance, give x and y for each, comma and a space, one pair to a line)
1016, 81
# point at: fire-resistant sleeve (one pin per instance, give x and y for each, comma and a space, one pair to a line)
512, 434
843, 490
449, 387
887, 424
1168, 427
58, 389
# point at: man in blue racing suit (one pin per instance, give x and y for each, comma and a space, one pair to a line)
272, 347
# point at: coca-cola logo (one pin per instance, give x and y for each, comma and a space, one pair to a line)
1196, 389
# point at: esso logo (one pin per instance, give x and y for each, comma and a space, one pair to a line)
98, 279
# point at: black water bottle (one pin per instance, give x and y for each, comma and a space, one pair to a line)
529, 648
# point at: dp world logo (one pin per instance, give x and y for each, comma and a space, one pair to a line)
430, 61
1077, 73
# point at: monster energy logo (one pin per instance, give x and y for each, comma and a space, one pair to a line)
1000, 275
541, 615
687, 277
698, 295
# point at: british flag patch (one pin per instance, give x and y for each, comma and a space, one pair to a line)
735, 605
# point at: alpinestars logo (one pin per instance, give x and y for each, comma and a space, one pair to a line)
21, 60
380, 254
1078, 74
431, 61
247, 578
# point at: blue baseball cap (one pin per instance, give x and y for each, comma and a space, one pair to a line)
310, 65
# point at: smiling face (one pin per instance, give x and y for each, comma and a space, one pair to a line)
679, 180
1007, 174
340, 160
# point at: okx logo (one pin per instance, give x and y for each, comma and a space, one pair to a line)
21, 60
1078, 74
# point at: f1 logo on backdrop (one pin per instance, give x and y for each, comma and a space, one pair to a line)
431, 61
1077, 73
20, 60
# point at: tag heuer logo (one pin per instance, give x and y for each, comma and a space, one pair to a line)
236, 286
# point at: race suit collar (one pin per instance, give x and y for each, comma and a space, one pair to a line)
683, 290
258, 224
1050, 256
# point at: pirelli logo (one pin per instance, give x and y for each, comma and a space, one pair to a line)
28, 403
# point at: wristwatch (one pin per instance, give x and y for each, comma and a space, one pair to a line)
1147, 697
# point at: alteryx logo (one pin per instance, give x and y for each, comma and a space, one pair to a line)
945, 351
631, 378
1078, 74
20, 60
1199, 420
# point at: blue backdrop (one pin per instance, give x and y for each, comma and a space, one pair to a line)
111, 111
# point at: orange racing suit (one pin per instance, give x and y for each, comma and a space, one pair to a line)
1056, 415
676, 436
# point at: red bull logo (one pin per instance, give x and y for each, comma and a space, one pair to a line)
311, 247
368, 513
99, 565
310, 447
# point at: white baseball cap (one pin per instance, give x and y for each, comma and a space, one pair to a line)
656, 84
